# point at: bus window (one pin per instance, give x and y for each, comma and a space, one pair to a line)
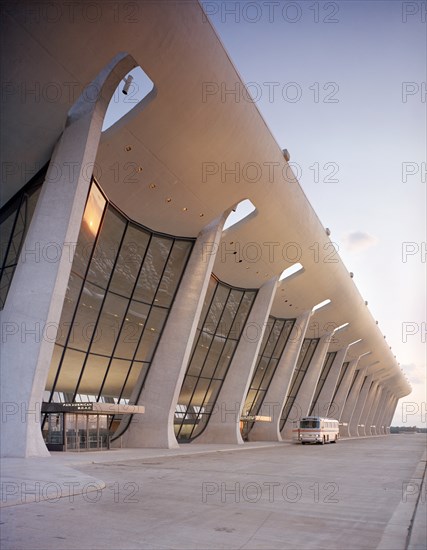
309, 424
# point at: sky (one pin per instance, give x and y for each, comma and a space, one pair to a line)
342, 86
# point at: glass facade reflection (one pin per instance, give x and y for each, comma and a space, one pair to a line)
329, 359
123, 280
224, 314
15, 218
337, 387
306, 354
276, 336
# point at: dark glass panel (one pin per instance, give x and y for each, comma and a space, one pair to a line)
133, 327
229, 313
137, 373
68, 309
225, 359
213, 357
152, 269
84, 323
93, 374
154, 326
53, 369
129, 261
107, 329
215, 311
116, 377
104, 256
70, 370
199, 355
6, 228
172, 273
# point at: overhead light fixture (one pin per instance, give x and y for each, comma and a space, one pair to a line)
286, 155
128, 81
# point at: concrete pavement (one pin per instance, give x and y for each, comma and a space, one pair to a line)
359, 494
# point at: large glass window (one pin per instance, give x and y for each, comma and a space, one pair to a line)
329, 359
306, 354
15, 218
275, 337
123, 281
223, 318
343, 371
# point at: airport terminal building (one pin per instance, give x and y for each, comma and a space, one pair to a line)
133, 312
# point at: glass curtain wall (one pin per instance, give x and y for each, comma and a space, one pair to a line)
275, 338
15, 218
343, 371
123, 280
221, 324
329, 359
307, 351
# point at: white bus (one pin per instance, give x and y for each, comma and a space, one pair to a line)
315, 429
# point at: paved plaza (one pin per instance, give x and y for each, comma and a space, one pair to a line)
360, 493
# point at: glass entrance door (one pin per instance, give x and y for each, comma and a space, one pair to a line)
86, 432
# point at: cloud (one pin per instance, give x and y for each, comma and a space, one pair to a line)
415, 373
358, 241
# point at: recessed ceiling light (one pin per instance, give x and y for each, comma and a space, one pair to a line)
201, 215
128, 148
169, 199
152, 185
139, 169
185, 209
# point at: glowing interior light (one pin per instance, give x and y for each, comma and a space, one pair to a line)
243, 210
288, 272
94, 208
322, 304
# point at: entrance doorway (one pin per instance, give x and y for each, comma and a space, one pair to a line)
77, 432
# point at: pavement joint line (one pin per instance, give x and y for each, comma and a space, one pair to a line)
421, 464
390, 536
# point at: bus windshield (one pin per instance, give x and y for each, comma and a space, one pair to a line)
309, 424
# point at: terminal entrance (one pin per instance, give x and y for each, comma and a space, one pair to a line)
77, 432
82, 426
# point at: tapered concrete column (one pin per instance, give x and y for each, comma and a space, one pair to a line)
155, 428
369, 430
384, 412
277, 392
379, 410
350, 403
337, 406
40, 281
364, 429
390, 414
306, 392
360, 403
324, 400
224, 426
